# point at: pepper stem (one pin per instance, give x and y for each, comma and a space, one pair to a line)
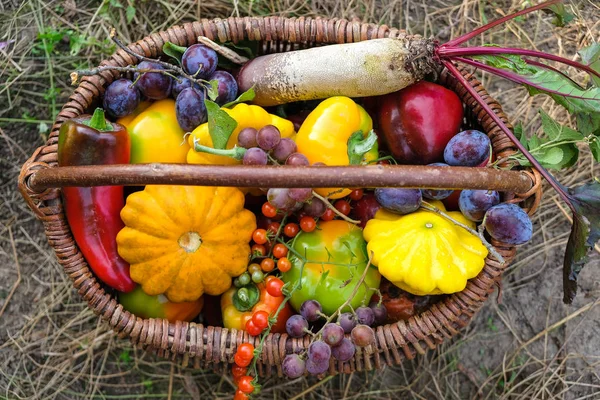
236, 152
98, 121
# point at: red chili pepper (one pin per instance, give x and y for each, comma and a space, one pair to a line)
93, 212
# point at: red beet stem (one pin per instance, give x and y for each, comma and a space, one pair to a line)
492, 50
557, 186
461, 39
512, 76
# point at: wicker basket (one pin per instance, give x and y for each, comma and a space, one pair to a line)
206, 346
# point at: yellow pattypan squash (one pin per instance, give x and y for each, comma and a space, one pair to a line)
423, 253
246, 116
183, 241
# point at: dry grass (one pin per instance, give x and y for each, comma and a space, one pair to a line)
530, 346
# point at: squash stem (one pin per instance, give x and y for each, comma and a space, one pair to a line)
430, 207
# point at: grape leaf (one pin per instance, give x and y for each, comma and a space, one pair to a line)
585, 232
220, 124
174, 51
561, 16
213, 90
591, 56
248, 95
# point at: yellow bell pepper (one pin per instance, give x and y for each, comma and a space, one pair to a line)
423, 253
155, 134
246, 116
324, 135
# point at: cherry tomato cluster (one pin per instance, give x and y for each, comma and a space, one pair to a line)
243, 357
258, 323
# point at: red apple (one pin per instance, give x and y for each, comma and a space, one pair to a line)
417, 122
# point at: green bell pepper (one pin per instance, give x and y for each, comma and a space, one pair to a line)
329, 263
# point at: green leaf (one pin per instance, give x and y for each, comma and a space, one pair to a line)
213, 90
130, 13
595, 148
591, 57
557, 150
551, 157
245, 304
561, 15
585, 232
563, 90
220, 124
560, 88
588, 123
511, 62
248, 95
244, 48
174, 51
358, 146
556, 131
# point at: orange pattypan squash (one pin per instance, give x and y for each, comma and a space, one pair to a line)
184, 241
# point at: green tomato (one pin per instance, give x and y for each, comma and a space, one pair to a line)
336, 257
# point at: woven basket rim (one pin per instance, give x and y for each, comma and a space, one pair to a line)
203, 346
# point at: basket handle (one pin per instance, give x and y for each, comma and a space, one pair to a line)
408, 176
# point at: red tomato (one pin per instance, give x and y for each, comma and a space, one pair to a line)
274, 286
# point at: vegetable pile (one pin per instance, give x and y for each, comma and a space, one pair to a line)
331, 263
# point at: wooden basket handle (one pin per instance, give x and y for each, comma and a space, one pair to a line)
407, 176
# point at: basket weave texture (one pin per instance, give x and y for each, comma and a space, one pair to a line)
206, 346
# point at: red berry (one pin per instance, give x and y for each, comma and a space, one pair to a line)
290, 230
274, 286
273, 227
283, 264
308, 224
267, 265
356, 194
280, 250
258, 250
246, 351
252, 329
259, 236
269, 210
342, 206
239, 395
260, 319
242, 362
328, 215
238, 371
245, 384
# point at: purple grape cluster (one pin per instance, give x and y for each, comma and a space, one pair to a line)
265, 145
332, 341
